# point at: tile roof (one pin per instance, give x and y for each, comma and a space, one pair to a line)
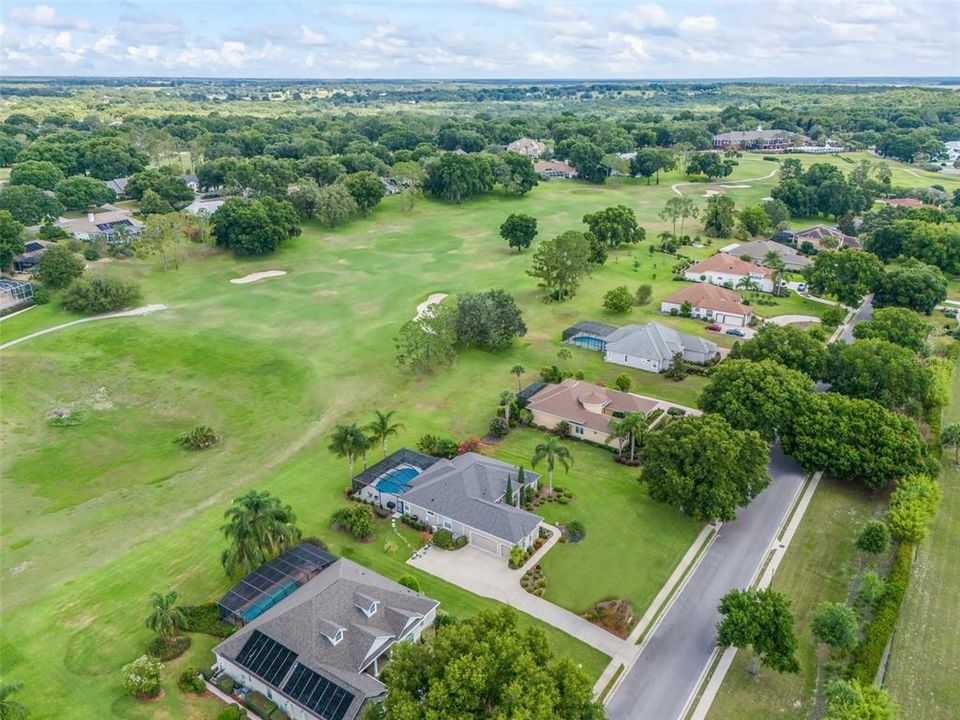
544, 165
467, 488
732, 264
709, 296
654, 341
303, 622
565, 400
758, 249
818, 233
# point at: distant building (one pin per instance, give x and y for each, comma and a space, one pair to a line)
757, 251
204, 208
907, 202
118, 185
32, 252
553, 169
648, 347
758, 139
191, 182
820, 237
113, 226
709, 302
730, 271
528, 147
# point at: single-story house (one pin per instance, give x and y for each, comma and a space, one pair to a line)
588, 334
527, 147
118, 185
204, 208
465, 495
33, 250
554, 169
318, 653
651, 347
730, 271
820, 237
589, 409
191, 181
758, 139
112, 226
710, 302
757, 251
908, 202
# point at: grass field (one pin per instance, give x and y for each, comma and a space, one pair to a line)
818, 567
97, 516
924, 665
632, 543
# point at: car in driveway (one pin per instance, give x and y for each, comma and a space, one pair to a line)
802, 288
713, 328
736, 331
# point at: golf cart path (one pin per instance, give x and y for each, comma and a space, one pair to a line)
136, 312
792, 319
769, 175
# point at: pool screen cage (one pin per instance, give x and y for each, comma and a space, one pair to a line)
404, 456
586, 327
271, 582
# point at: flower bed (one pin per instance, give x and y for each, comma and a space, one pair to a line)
534, 581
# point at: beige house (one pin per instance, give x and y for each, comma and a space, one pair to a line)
709, 302
553, 170
730, 271
527, 147
588, 408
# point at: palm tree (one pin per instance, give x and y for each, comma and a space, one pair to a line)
349, 441
11, 709
506, 400
380, 428
773, 261
632, 427
746, 283
553, 451
258, 526
166, 617
518, 370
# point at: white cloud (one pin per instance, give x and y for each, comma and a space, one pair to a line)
698, 24
311, 37
506, 5
647, 16
105, 43
309, 60
45, 16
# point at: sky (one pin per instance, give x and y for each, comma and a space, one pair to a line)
482, 39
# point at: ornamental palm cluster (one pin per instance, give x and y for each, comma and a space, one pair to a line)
258, 527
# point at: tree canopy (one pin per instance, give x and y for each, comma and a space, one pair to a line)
39, 173
878, 370
712, 164
28, 204
760, 620
80, 192
488, 320
427, 343
254, 226
844, 274
615, 226
258, 527
896, 325
705, 467
561, 263
719, 219
519, 230
11, 238
788, 345
58, 267
457, 177
912, 285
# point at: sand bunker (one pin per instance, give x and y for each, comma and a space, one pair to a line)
734, 187
711, 193
428, 303
253, 277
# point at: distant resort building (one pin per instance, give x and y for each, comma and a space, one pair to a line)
649, 347
758, 139
528, 147
553, 169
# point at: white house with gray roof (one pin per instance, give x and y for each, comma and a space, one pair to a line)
465, 495
317, 654
651, 347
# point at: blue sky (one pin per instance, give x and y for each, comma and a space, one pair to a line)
482, 39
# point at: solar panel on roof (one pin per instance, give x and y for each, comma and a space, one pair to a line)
32, 247
318, 693
264, 656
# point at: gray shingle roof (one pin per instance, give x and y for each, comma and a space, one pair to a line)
303, 621
654, 341
758, 249
466, 489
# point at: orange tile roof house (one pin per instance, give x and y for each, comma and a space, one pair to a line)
528, 147
729, 271
902, 202
588, 408
710, 302
554, 169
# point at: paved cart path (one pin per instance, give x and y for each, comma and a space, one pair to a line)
136, 312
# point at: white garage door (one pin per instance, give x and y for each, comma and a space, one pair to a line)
483, 542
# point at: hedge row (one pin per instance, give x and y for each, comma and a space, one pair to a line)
869, 654
266, 709
205, 618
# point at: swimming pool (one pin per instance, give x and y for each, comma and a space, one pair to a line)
397, 481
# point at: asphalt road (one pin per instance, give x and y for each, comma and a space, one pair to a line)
864, 312
666, 672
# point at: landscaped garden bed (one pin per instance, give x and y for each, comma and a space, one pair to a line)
534, 581
615, 616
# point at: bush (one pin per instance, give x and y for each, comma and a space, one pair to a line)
259, 704
871, 591
471, 444
623, 382
642, 296
91, 253
517, 557
874, 537
41, 295
675, 411
232, 712
99, 295
437, 446
619, 300
168, 649
444, 540
415, 524
409, 581
142, 677
356, 520
389, 547
205, 618
551, 374
912, 505
200, 438
499, 427
867, 656
190, 681
575, 531
562, 429
226, 684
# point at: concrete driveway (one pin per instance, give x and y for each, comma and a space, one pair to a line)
487, 575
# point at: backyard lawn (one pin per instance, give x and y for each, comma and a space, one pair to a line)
632, 543
924, 666
818, 567
98, 515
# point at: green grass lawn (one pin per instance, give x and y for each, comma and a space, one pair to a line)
818, 567
632, 544
924, 666
97, 516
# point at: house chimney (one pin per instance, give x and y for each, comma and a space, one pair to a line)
90, 216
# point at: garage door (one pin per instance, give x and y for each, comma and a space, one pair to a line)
483, 542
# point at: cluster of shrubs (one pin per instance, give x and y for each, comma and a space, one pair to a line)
444, 540
518, 556
99, 295
233, 712
415, 524
438, 446
200, 438
263, 706
167, 649
912, 505
191, 681
534, 581
356, 520
205, 618
560, 495
410, 582
574, 531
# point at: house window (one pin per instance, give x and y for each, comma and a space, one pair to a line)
448, 523
625, 358
578, 429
